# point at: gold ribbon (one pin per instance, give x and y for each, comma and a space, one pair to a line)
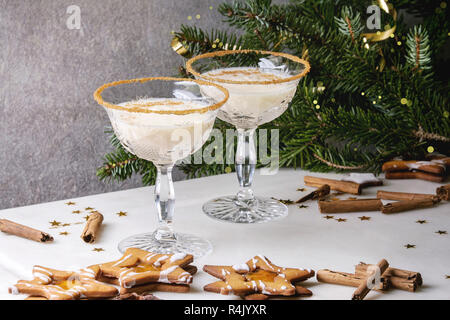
178, 47
380, 36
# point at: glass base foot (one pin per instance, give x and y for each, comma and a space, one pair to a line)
230, 210
185, 243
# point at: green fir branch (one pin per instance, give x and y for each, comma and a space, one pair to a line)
419, 52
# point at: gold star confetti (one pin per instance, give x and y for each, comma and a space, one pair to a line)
410, 246
88, 209
285, 202
55, 223
70, 203
65, 233
65, 225
341, 220
441, 232
98, 249
76, 212
302, 206
352, 198
329, 217
86, 218
364, 218
421, 221
301, 189
121, 214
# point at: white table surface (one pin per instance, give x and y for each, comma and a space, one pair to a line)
303, 239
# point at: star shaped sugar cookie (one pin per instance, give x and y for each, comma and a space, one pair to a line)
64, 285
139, 267
256, 276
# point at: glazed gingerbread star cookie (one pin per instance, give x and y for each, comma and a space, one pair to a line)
258, 278
64, 285
142, 271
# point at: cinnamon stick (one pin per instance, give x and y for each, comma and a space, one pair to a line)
403, 284
444, 192
397, 278
388, 195
414, 175
426, 166
345, 279
24, 231
361, 268
92, 227
343, 186
406, 205
363, 289
317, 194
342, 206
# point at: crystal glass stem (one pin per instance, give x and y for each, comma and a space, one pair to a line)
245, 165
165, 203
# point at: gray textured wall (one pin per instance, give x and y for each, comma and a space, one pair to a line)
51, 130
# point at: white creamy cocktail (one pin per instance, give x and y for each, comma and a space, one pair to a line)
261, 85
251, 105
162, 138
163, 120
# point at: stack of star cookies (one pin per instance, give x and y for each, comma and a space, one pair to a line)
436, 169
137, 272
258, 279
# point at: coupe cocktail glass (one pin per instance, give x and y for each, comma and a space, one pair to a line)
163, 120
261, 85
